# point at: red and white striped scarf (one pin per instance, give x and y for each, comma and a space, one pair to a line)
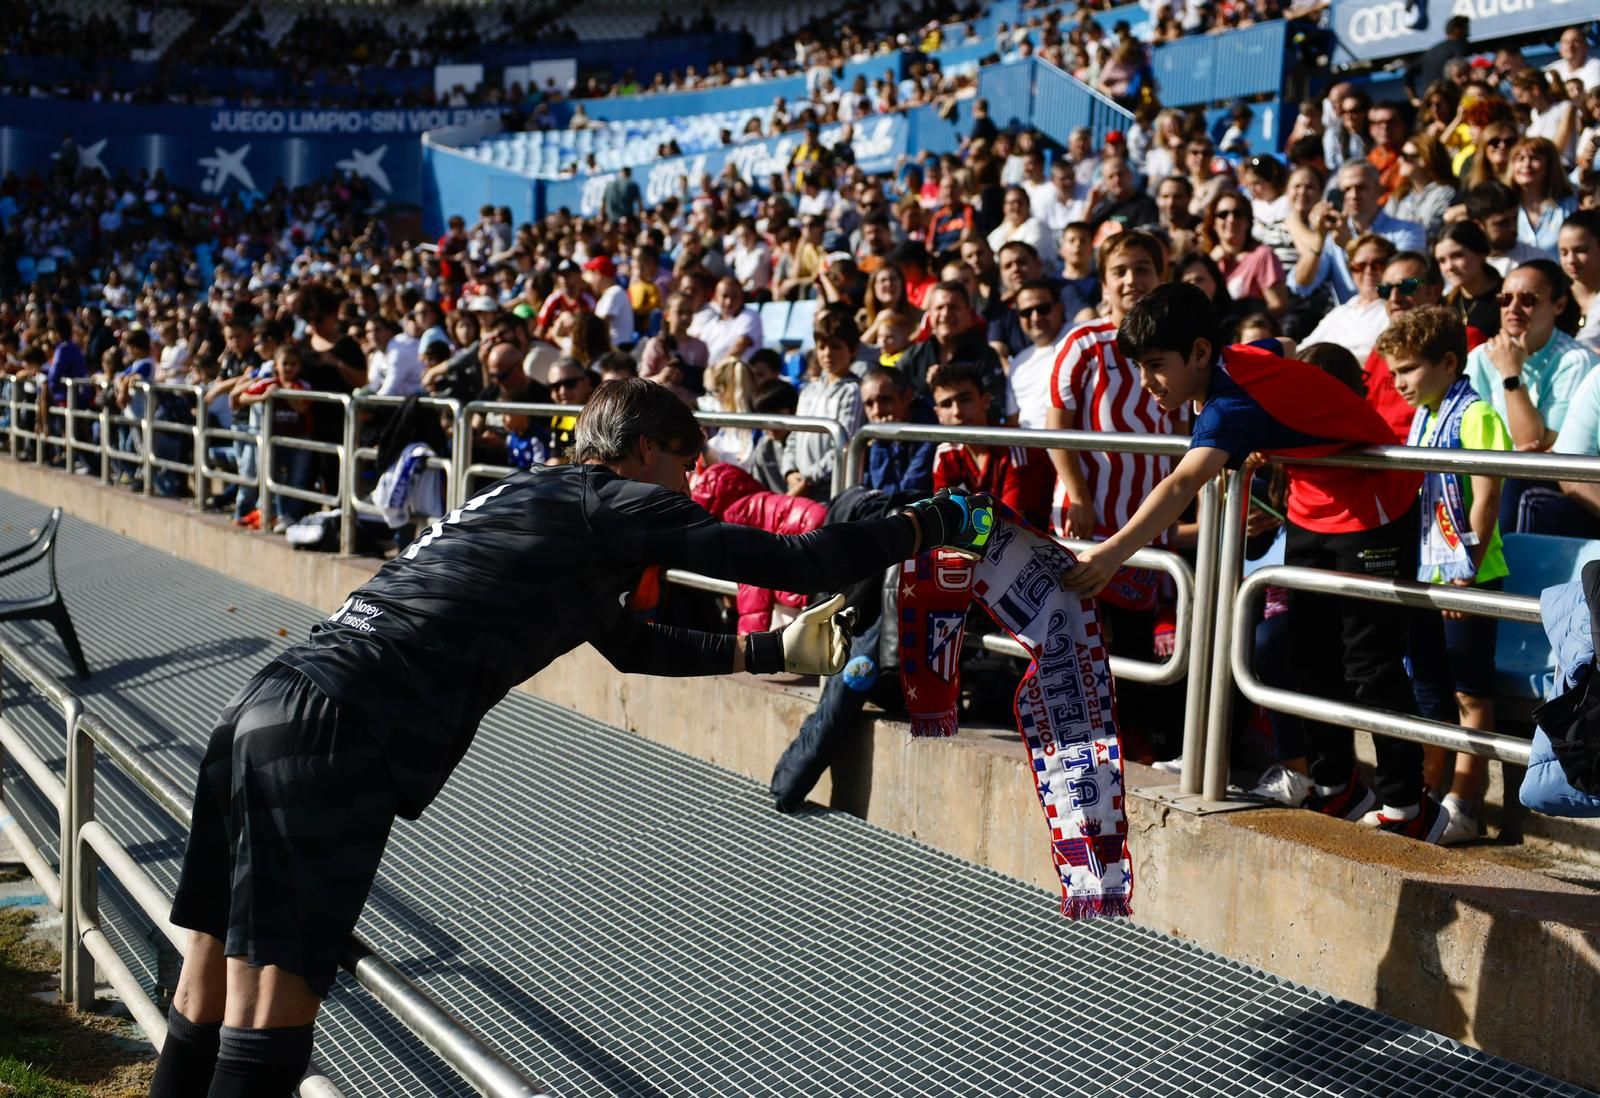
1065, 706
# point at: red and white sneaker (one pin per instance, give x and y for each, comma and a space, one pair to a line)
1426, 825
1350, 803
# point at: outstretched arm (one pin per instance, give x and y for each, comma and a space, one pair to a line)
826, 559
639, 647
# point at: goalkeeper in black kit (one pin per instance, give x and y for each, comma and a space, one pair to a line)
318, 753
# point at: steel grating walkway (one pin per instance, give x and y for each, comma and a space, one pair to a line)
653, 928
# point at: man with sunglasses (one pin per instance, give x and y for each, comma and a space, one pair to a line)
1410, 281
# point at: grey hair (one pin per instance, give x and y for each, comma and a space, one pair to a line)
622, 412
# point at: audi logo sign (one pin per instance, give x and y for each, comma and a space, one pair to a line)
1369, 29
1381, 22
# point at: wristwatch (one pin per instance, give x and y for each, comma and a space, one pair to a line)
1512, 383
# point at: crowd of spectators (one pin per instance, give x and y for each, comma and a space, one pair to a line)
980, 287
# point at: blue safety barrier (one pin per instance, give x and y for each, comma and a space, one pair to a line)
1216, 68
1035, 93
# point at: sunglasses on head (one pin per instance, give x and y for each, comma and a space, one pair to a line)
1406, 287
1526, 298
1035, 310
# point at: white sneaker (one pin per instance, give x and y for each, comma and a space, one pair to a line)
1461, 826
1168, 766
81, 469
1279, 783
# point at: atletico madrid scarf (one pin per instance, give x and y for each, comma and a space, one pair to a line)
1064, 705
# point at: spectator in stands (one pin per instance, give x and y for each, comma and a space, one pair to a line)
453, 248
583, 335
1463, 256
1531, 370
1019, 265
729, 388
1119, 199
1250, 267
290, 419
1575, 62
808, 458
773, 397
1327, 241
1552, 116
956, 334
1430, 68
1410, 281
752, 261
130, 399
1388, 130
1093, 387
1544, 197
887, 396
611, 300
1022, 227
1038, 307
1357, 323
394, 366
622, 197
1345, 137
673, 356
1424, 187
951, 219
1494, 208
1452, 654
734, 330
1017, 477
571, 383
1579, 246
647, 284
570, 295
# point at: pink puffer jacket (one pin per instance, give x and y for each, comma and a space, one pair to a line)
733, 495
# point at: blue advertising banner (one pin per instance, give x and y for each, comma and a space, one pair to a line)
219, 150
1369, 29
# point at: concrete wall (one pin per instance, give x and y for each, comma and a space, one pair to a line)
1502, 958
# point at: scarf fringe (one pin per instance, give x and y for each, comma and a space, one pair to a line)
1096, 907
941, 725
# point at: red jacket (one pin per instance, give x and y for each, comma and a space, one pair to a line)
733, 495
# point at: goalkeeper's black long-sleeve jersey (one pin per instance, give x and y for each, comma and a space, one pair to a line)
529, 569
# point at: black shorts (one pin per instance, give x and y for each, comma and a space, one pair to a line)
291, 814
1450, 657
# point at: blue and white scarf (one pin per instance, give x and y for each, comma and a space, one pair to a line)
1447, 537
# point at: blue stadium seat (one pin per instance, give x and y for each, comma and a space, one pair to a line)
774, 322
652, 326
27, 268
801, 319
1522, 652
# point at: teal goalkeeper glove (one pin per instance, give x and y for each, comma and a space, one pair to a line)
955, 520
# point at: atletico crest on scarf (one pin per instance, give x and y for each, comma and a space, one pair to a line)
1065, 708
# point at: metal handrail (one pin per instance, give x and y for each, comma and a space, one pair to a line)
1496, 604
269, 443
87, 846
444, 463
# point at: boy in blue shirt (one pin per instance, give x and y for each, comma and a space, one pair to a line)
1251, 400
1452, 654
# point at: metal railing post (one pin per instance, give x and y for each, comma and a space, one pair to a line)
1202, 640
106, 445
1219, 704
80, 868
201, 485
264, 458
347, 481
148, 447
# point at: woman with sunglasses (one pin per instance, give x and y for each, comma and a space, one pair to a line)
1425, 187
1579, 247
1530, 371
1357, 323
1545, 197
1463, 257
1250, 268
1487, 158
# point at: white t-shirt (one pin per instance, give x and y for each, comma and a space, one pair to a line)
397, 369
818, 204
1588, 72
1028, 384
752, 267
1353, 326
614, 308
719, 335
1548, 122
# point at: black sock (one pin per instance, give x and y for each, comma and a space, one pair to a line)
261, 1063
188, 1058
